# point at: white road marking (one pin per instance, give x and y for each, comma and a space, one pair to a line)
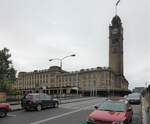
59, 116
72, 105
79, 104
10, 115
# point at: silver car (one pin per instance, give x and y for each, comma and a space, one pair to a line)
134, 98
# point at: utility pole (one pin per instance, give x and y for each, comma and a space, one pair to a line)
61, 59
77, 82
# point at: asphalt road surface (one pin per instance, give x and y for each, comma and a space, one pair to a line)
71, 113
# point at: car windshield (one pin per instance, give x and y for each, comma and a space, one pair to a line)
112, 106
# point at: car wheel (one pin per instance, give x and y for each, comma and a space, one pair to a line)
39, 107
3, 113
56, 105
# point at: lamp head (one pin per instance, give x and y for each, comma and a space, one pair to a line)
73, 55
51, 60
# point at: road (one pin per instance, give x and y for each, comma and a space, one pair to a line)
70, 113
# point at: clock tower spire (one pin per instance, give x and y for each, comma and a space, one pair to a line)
116, 45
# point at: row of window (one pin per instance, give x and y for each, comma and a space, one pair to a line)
64, 78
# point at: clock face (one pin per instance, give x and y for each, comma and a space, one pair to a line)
115, 31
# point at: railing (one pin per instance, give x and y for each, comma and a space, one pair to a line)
10, 98
15, 99
146, 94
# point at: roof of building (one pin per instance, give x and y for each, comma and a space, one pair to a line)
116, 21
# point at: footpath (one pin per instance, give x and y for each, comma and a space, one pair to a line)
145, 111
15, 106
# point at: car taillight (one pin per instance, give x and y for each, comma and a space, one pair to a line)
8, 107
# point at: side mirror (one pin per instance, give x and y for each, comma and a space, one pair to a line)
96, 107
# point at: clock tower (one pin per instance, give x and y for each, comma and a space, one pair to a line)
116, 45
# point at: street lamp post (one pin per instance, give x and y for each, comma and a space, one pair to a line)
61, 59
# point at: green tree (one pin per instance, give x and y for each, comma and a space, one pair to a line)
7, 72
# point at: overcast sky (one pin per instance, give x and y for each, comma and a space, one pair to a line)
38, 30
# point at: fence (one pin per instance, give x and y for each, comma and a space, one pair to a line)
16, 98
2, 97
146, 95
12, 98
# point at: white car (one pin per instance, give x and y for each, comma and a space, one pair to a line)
134, 98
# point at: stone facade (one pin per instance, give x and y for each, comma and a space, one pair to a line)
54, 80
116, 46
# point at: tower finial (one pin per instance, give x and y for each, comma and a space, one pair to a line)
116, 6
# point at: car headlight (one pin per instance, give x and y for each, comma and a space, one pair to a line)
117, 123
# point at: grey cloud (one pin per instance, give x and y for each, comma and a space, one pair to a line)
36, 30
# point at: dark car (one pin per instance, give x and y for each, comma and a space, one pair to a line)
111, 112
4, 109
134, 98
38, 101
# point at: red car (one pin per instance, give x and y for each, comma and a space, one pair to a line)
111, 112
4, 108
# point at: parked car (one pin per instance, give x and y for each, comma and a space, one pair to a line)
4, 109
111, 112
38, 101
134, 98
